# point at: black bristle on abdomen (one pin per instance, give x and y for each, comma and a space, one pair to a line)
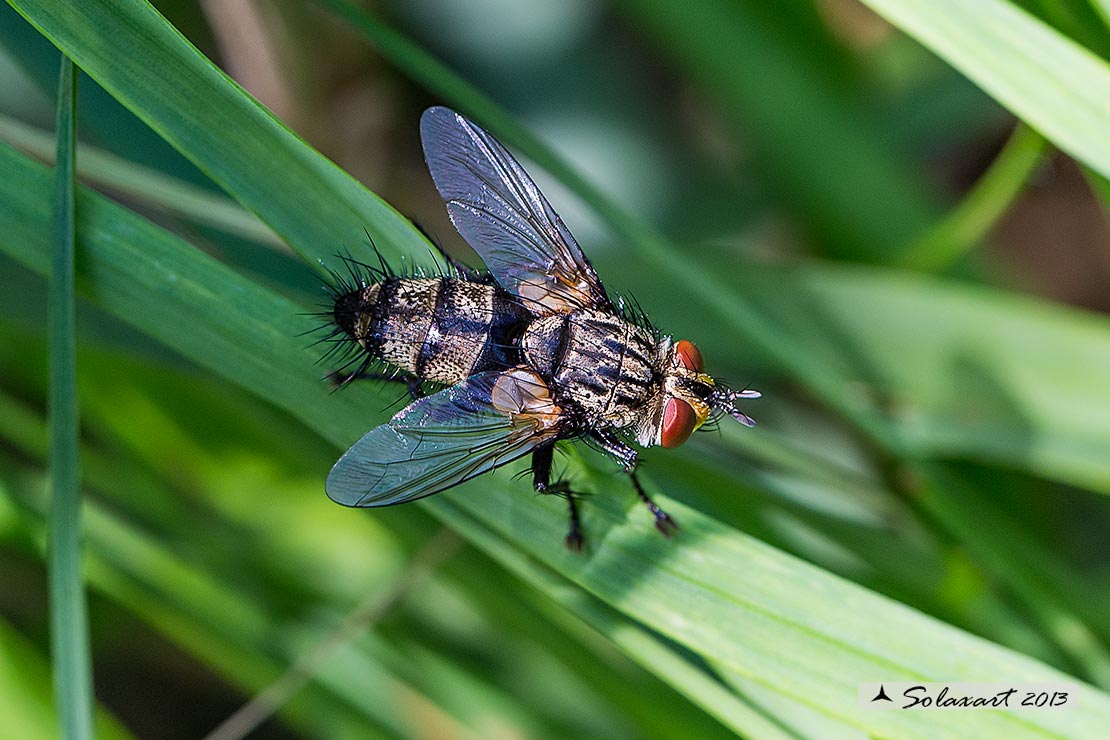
348, 308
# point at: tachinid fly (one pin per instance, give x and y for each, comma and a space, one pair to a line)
533, 352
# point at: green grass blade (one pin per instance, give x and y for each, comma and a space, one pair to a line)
102, 117
1058, 87
68, 615
968, 223
1102, 7
785, 624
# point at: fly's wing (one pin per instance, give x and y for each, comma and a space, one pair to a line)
440, 441
502, 214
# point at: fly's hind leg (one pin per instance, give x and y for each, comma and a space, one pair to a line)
411, 382
541, 481
627, 457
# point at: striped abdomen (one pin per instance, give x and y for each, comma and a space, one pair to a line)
438, 329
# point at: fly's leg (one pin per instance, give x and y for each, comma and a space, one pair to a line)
541, 481
574, 540
627, 457
664, 522
411, 382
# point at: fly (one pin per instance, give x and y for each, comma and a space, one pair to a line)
531, 353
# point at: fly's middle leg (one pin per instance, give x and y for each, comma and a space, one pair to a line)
627, 456
541, 480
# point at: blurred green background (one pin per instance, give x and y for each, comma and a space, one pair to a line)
915, 279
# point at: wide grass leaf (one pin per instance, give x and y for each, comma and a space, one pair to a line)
968, 372
753, 610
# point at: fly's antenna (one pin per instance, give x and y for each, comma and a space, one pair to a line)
725, 400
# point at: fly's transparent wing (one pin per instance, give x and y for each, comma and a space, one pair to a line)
447, 438
506, 219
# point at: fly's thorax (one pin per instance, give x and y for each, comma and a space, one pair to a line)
438, 329
606, 366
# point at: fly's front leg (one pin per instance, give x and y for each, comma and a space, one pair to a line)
541, 480
664, 522
628, 458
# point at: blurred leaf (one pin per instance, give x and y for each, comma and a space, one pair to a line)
1058, 87
1102, 7
690, 591
967, 372
810, 135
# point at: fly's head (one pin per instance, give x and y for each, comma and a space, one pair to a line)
689, 398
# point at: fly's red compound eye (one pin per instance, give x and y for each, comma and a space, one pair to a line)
679, 421
689, 355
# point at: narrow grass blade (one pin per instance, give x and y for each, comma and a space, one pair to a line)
69, 629
1058, 87
25, 690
